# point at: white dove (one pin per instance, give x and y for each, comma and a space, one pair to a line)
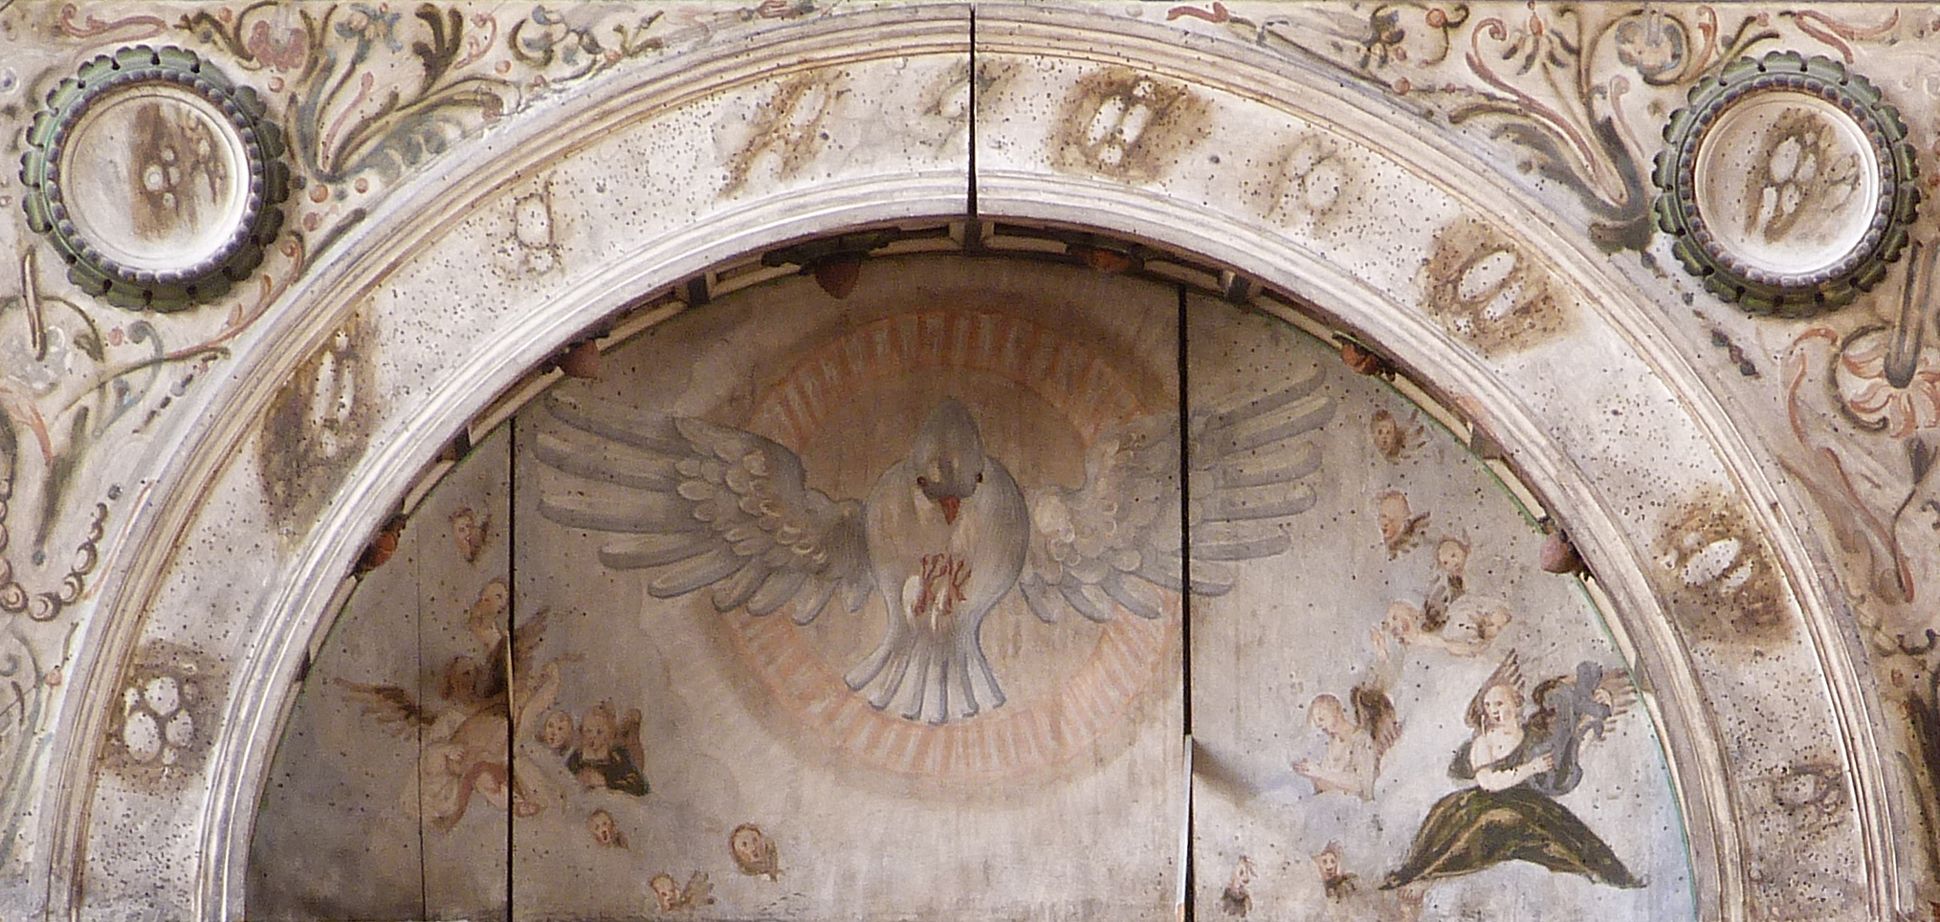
947, 531
944, 534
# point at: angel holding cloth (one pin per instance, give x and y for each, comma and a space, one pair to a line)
1519, 765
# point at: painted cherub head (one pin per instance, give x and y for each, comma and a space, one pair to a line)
666, 893
754, 853
1451, 556
468, 531
1403, 621
1392, 437
1487, 618
486, 617
1327, 715
596, 732
1242, 875
606, 832
1399, 524
556, 731
1327, 862
1333, 879
1490, 621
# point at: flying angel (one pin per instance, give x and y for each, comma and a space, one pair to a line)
945, 533
1520, 762
465, 750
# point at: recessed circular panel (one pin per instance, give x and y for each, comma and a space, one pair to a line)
157, 180
1787, 183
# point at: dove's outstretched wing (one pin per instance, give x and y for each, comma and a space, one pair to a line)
703, 505
1116, 539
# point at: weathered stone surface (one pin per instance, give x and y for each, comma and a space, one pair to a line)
1462, 189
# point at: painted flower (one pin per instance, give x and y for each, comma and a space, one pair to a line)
283, 53
370, 25
1384, 40
1860, 373
1652, 43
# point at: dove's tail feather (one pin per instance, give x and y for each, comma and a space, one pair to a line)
928, 676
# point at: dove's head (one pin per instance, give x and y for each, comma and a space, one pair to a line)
948, 457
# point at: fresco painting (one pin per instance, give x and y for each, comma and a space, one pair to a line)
1338, 774
897, 575
874, 608
402, 726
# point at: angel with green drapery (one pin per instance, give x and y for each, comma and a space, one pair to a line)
1519, 765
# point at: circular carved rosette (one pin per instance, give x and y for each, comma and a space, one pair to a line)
157, 179
1787, 183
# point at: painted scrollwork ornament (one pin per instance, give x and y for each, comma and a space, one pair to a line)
1787, 183
157, 179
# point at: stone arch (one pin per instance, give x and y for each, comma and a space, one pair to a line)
895, 75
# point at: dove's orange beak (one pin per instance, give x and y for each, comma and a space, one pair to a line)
950, 506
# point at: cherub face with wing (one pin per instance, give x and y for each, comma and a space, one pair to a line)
666, 893
596, 731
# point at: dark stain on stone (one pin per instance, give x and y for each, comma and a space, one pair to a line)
1921, 760
318, 426
1719, 574
1127, 125
172, 158
1807, 798
1308, 179
788, 129
160, 729
1481, 287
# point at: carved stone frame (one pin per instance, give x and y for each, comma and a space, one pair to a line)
260, 625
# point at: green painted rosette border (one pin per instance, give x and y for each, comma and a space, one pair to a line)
1753, 289
176, 288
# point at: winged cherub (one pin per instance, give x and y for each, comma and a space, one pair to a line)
465, 749
669, 895
1355, 744
609, 755
945, 533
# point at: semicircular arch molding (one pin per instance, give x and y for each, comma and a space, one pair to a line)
628, 218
